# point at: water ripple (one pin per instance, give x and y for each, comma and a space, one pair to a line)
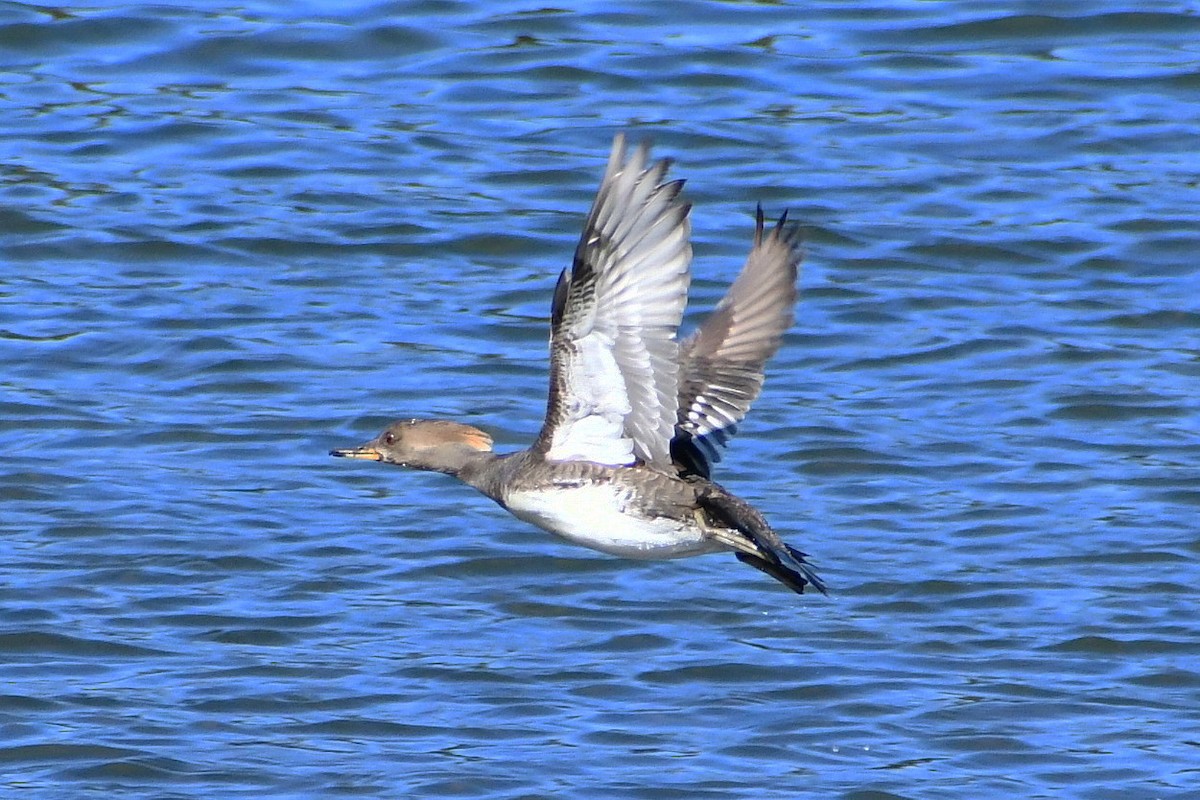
239, 236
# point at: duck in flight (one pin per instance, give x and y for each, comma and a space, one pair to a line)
635, 417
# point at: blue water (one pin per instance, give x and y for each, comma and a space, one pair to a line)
233, 238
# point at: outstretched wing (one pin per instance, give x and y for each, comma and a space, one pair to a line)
722, 363
613, 352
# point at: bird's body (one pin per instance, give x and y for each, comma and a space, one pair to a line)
622, 464
623, 511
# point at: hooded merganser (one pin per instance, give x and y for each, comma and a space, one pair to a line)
634, 417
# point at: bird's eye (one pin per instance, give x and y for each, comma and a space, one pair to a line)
389, 438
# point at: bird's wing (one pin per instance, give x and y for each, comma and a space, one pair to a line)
613, 352
722, 363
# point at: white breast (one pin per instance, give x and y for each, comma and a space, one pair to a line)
594, 517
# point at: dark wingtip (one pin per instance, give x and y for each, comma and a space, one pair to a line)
783, 230
788, 232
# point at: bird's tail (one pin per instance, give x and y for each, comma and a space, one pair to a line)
754, 543
791, 568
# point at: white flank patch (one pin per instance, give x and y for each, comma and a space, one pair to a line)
592, 516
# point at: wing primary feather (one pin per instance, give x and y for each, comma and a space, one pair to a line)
723, 361
614, 357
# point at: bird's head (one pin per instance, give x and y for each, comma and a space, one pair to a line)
430, 444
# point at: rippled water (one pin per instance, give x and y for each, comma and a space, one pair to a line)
232, 239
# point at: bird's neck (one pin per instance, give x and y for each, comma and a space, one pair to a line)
479, 470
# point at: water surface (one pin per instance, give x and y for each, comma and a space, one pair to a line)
231, 239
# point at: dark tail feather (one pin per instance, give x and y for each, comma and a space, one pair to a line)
773, 556
795, 576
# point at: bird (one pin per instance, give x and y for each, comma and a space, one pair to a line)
635, 416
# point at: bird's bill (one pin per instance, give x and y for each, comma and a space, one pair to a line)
365, 452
